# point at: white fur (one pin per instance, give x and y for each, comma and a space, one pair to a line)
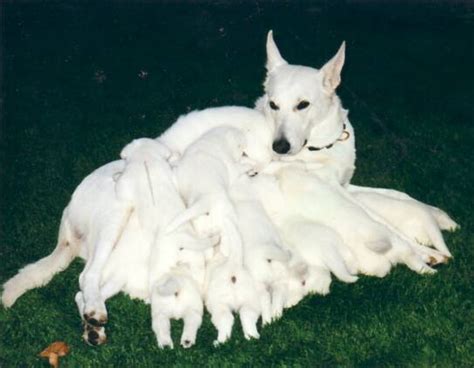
230, 288
265, 256
204, 175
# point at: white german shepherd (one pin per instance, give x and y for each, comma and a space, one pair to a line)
311, 128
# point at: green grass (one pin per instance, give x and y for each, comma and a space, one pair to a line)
408, 85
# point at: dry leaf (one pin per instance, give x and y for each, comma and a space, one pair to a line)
54, 351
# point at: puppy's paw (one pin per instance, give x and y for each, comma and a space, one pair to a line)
251, 335
221, 338
277, 312
266, 319
188, 341
165, 342
216, 343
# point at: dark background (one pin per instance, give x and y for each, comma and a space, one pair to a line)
72, 97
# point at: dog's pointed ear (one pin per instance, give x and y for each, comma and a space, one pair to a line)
274, 59
332, 69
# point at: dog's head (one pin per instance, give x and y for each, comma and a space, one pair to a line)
297, 98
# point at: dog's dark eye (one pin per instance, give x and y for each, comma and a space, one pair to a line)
274, 106
302, 105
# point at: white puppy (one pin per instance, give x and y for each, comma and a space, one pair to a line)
296, 196
204, 175
323, 250
265, 256
176, 261
230, 288
418, 221
374, 244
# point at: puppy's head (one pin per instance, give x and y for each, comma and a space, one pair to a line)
143, 149
297, 98
146, 163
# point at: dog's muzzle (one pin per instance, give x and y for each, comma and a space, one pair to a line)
281, 146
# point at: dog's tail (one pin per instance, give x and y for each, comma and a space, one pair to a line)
41, 272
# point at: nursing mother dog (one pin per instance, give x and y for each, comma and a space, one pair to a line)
312, 132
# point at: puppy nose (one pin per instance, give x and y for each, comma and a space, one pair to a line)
281, 146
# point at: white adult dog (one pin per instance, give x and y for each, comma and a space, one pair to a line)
312, 128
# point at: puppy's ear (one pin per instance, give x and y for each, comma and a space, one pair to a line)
274, 59
332, 69
130, 148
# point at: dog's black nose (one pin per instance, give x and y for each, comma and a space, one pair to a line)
281, 146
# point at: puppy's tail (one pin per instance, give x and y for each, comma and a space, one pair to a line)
41, 272
198, 209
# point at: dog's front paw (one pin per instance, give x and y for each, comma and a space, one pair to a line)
251, 335
94, 335
95, 314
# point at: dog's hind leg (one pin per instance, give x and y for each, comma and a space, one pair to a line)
403, 252
93, 335
434, 236
248, 318
162, 328
95, 312
279, 296
429, 255
265, 302
192, 322
442, 219
223, 320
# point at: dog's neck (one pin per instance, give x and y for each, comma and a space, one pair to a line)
330, 128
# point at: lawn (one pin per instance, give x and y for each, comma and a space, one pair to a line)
80, 80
